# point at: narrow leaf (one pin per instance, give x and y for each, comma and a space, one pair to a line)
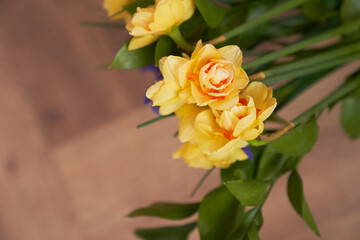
299, 141
253, 233
212, 13
166, 233
248, 192
350, 116
217, 214
126, 59
298, 201
154, 120
245, 225
172, 211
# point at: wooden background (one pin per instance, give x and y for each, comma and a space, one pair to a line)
72, 163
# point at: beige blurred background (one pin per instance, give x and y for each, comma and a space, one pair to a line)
72, 163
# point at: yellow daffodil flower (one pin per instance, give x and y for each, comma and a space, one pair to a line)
220, 135
211, 77
115, 10
148, 24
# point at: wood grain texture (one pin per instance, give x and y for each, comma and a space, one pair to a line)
34, 202
72, 163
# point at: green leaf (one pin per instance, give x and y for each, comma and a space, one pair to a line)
235, 171
131, 7
318, 10
350, 116
258, 221
298, 201
350, 10
289, 91
212, 13
253, 233
166, 233
126, 59
164, 47
248, 220
217, 214
299, 141
248, 192
172, 211
270, 164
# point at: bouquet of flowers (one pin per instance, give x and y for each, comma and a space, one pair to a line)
196, 49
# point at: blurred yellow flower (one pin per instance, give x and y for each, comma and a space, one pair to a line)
205, 144
148, 24
114, 9
216, 137
196, 158
246, 119
211, 77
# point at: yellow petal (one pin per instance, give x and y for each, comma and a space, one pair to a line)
114, 7
167, 109
206, 122
167, 14
258, 91
139, 42
206, 53
153, 89
268, 110
226, 103
187, 96
233, 54
201, 99
193, 156
245, 122
253, 133
228, 120
187, 115
198, 47
241, 79
166, 92
184, 72
170, 68
189, 8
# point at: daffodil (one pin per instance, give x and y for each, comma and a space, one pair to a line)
220, 135
149, 23
211, 77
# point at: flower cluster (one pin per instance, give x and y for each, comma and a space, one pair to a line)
219, 110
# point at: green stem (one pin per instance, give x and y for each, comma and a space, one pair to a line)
310, 61
311, 69
154, 120
345, 28
330, 99
178, 38
264, 18
202, 180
